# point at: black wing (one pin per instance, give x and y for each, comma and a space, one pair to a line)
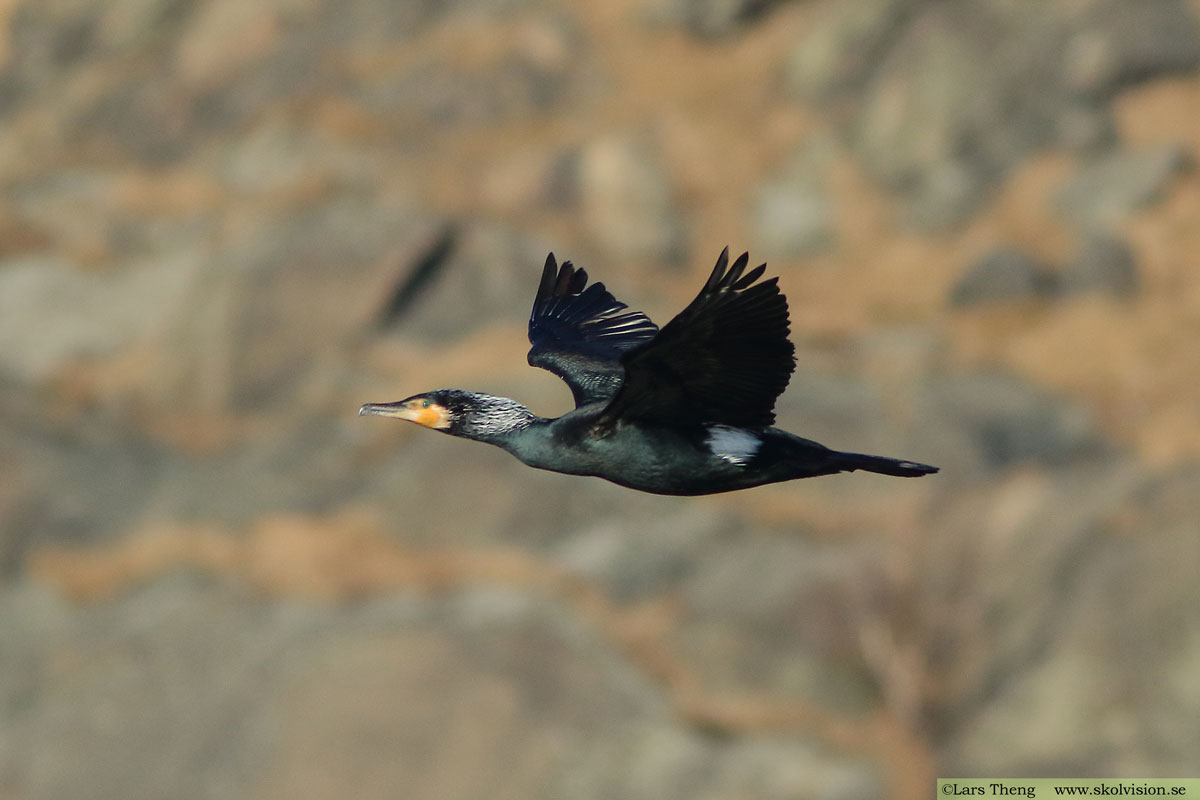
723, 360
579, 332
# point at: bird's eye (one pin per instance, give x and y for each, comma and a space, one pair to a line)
425, 403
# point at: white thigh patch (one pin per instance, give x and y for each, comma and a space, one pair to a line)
735, 445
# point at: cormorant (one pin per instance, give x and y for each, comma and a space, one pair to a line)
686, 410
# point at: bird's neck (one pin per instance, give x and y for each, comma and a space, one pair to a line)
496, 420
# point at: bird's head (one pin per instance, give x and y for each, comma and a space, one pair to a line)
468, 414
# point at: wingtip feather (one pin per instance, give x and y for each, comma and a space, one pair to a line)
546, 284
714, 279
735, 272
750, 277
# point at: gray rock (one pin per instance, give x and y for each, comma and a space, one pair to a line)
1115, 185
945, 194
158, 81
245, 338
793, 214
1086, 128
227, 694
840, 53
986, 421
68, 483
488, 276
174, 657
536, 179
85, 478
635, 565
53, 313
1097, 562
931, 123
919, 102
1104, 263
940, 100
843, 411
745, 586
627, 202
712, 18
1001, 276
440, 93
1114, 43
793, 218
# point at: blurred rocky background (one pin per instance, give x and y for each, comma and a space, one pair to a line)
225, 225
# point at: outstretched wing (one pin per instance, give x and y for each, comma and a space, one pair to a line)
579, 332
724, 360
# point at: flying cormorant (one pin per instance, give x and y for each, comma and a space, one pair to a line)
685, 410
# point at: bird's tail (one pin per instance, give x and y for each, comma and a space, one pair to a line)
846, 462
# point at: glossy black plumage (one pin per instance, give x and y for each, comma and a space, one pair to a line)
580, 333
723, 360
683, 410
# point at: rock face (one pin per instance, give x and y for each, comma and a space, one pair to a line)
238, 697
943, 100
225, 225
712, 18
1118, 184
1103, 264
793, 213
626, 200
1001, 276
1095, 602
1003, 422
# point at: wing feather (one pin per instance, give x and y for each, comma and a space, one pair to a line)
723, 360
579, 332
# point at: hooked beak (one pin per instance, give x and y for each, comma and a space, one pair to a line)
418, 410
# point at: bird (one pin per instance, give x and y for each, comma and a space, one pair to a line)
687, 409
